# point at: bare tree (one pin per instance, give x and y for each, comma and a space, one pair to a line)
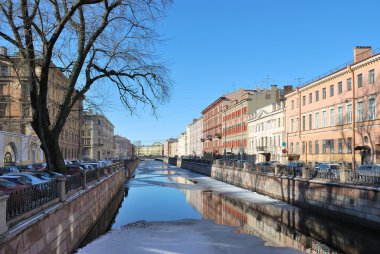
90, 41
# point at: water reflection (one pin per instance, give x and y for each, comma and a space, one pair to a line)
282, 225
162, 193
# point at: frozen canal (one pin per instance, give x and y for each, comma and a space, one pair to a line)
171, 210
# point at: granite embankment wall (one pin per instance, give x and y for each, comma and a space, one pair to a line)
63, 226
345, 200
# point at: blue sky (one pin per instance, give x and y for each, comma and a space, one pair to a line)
217, 46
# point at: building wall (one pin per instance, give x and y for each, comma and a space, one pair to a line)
266, 132
194, 137
182, 145
121, 147
235, 116
314, 125
98, 133
156, 149
16, 113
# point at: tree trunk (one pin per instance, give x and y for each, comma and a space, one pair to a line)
54, 158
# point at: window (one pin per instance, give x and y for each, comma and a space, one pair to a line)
372, 108
340, 115
340, 87
316, 95
316, 147
297, 103
331, 90
3, 109
297, 148
291, 147
360, 80
303, 147
316, 122
310, 98
324, 95
349, 113
331, 117
340, 145
371, 76
310, 122
325, 145
4, 70
310, 149
349, 84
297, 124
292, 104
359, 106
324, 118
349, 145
291, 125
303, 123
303, 100
25, 110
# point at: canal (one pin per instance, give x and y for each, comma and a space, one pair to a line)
174, 208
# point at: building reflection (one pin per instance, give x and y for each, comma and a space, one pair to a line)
282, 225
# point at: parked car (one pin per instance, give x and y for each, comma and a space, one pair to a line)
8, 169
16, 179
263, 164
73, 169
327, 168
45, 175
27, 177
25, 167
8, 186
39, 166
92, 164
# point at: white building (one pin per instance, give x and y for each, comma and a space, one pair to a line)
182, 145
266, 133
19, 149
194, 133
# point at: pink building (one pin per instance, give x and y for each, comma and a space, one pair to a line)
334, 118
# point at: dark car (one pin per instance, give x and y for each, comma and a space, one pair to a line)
73, 169
16, 179
8, 186
8, 169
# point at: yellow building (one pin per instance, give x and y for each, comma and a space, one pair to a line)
156, 149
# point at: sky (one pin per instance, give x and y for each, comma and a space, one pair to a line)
217, 46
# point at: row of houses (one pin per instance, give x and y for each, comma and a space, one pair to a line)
86, 135
333, 118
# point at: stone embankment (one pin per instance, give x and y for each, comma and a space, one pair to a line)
61, 228
331, 198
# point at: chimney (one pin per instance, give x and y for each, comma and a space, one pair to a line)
3, 51
288, 89
361, 53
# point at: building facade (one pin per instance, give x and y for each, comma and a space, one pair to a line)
266, 133
156, 149
194, 135
236, 114
120, 146
182, 145
97, 137
15, 108
335, 118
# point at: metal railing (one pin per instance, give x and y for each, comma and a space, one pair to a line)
73, 182
355, 177
28, 198
363, 177
91, 175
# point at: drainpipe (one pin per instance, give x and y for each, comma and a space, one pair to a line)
353, 118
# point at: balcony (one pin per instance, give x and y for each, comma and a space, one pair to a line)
218, 135
209, 137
